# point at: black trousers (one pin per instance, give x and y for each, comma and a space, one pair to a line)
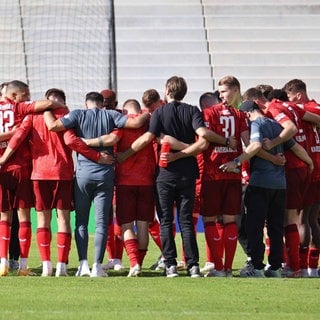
182, 193
265, 207
14, 247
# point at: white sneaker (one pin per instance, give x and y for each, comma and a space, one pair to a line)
46, 269
97, 271
61, 270
161, 265
208, 266
135, 271
313, 273
83, 269
108, 265
117, 265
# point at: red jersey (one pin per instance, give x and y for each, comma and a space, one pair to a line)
139, 169
51, 158
313, 138
283, 111
226, 121
11, 115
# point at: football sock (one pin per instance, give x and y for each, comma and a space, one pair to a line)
131, 247
110, 242
44, 241
24, 238
63, 244
303, 253
154, 231
214, 242
313, 258
141, 254
292, 240
5, 234
230, 239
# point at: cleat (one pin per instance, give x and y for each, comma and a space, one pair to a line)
135, 271
208, 266
228, 273
269, 273
83, 269
61, 270
194, 272
26, 273
254, 273
97, 271
288, 273
181, 266
161, 265
216, 273
46, 269
171, 272
313, 273
117, 265
304, 273
108, 265
4, 269
13, 264
247, 267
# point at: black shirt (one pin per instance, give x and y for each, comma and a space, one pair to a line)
179, 120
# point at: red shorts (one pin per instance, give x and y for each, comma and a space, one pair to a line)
313, 193
134, 203
221, 197
16, 190
51, 194
298, 180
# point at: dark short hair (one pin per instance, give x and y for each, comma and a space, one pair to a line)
208, 99
55, 92
150, 96
248, 106
95, 97
294, 86
177, 87
277, 94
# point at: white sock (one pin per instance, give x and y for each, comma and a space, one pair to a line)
23, 263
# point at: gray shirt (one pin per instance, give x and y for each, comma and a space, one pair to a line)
264, 173
92, 123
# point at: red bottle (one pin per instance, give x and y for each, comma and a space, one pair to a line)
165, 148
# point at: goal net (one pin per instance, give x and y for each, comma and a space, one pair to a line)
56, 43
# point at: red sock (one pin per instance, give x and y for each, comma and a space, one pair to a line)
63, 244
24, 238
141, 254
110, 242
209, 257
44, 241
303, 253
154, 231
267, 243
292, 244
5, 234
118, 242
230, 238
132, 251
313, 258
284, 253
214, 242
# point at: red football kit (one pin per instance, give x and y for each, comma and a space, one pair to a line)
226, 121
135, 179
297, 171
